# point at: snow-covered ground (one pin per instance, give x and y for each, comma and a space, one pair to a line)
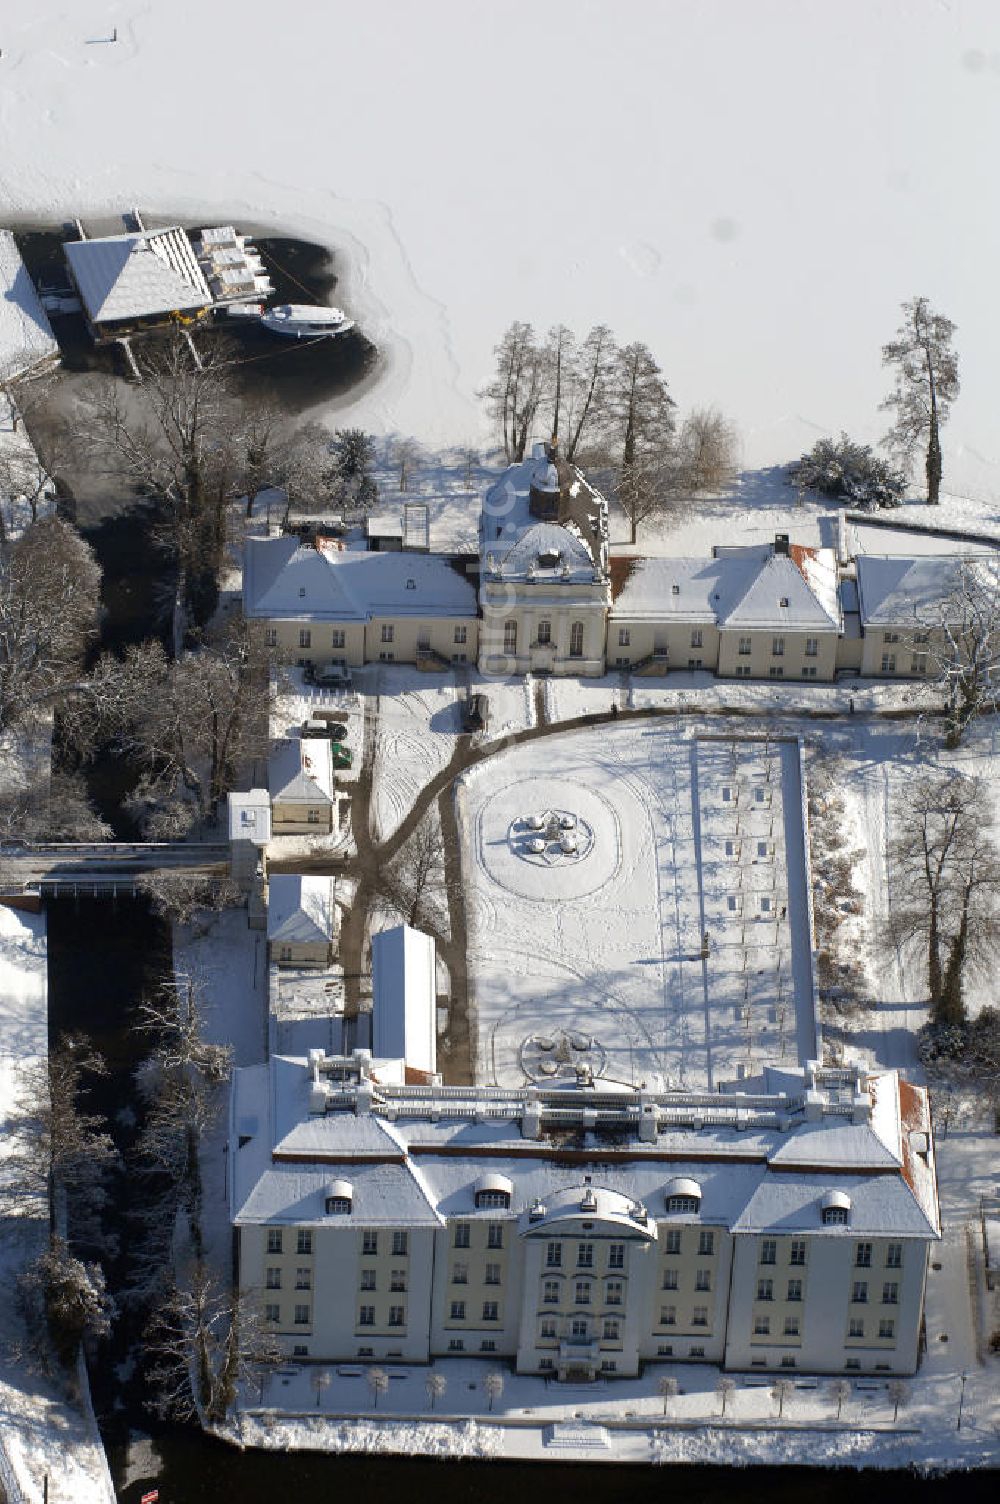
41, 1432
418, 722
706, 258
676, 839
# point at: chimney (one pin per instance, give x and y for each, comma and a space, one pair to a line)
781, 544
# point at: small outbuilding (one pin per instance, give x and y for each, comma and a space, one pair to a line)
300, 783
26, 338
302, 920
404, 987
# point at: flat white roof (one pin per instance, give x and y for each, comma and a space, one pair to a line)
405, 997
250, 816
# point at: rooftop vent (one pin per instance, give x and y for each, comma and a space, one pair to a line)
781, 544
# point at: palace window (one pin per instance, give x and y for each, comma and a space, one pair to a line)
388, 632
336, 638
550, 1291
672, 1240
510, 636
305, 637
703, 1279
613, 1292
368, 1279
700, 1316
670, 1279
492, 1274
890, 1294
458, 1310
777, 647
668, 1315
304, 1240
624, 637
888, 663
544, 633
762, 1326
894, 1256
494, 1235
887, 1329
696, 637
400, 1243
369, 1242
812, 647
583, 1292
585, 1256
491, 1310
547, 1330
616, 1256
797, 1254
863, 1255
461, 1234
461, 635
576, 640
768, 1251
273, 1280
794, 1289
303, 1278
460, 1274
612, 1329
746, 644
397, 1281
272, 1313
706, 1241
859, 1292
274, 1240
856, 1327
301, 1315
397, 1315
765, 1289
791, 1326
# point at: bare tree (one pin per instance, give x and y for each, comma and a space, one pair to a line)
707, 450
179, 1081
639, 418
49, 604
780, 1391
55, 808
435, 1384
55, 1149
493, 1385
899, 1393
926, 373
176, 439
514, 394
946, 869
202, 1343
959, 635
840, 1389
586, 385
189, 725
724, 1387
558, 357
378, 1383
27, 477
414, 881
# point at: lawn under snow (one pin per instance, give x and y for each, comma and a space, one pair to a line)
702, 254
675, 839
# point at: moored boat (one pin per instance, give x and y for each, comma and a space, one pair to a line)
306, 321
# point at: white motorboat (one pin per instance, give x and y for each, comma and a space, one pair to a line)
306, 321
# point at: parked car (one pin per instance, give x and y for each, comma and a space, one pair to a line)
341, 756
333, 729
476, 713
332, 676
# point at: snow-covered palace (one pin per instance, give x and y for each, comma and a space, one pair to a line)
546, 595
578, 1230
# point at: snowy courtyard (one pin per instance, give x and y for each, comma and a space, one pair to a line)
639, 906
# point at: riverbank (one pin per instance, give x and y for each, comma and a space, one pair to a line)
47, 1439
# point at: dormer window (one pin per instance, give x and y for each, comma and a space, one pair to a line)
683, 1195
302, 592
339, 1198
493, 1193
411, 584
549, 558
835, 1209
783, 601
675, 590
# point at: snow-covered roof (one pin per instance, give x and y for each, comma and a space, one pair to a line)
903, 591
545, 551
741, 587
775, 593
300, 910
300, 772
404, 1003
138, 275
658, 589
283, 579
26, 336
453, 1142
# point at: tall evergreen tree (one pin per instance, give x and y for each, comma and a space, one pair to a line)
926, 369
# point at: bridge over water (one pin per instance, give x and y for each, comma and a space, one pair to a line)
107, 867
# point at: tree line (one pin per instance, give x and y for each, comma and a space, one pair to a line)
609, 406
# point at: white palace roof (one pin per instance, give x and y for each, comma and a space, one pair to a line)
759, 1161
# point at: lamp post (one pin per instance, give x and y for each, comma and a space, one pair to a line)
961, 1402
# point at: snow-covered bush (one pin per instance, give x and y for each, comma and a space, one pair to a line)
849, 472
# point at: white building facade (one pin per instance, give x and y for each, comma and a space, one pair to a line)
582, 1231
